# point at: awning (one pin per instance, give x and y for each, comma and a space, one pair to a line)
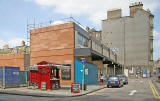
35, 67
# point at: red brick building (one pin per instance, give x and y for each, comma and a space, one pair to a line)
62, 44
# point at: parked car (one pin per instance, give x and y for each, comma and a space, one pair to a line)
114, 81
124, 79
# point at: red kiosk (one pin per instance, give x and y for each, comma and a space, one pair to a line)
47, 76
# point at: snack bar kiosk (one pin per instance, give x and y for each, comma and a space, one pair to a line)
47, 77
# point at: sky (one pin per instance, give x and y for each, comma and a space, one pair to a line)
15, 13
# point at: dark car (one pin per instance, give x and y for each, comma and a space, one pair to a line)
114, 81
124, 79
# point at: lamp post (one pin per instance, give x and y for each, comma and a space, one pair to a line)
115, 50
114, 70
83, 62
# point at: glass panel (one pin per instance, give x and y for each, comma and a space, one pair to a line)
80, 39
85, 41
66, 73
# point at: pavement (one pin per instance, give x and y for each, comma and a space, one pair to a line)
136, 90
64, 91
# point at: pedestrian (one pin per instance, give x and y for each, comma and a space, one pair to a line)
102, 79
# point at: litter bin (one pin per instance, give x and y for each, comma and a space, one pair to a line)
85, 87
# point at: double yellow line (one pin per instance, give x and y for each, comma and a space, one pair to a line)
155, 93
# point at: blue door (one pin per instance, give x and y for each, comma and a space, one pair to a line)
91, 73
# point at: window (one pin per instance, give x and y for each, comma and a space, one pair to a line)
83, 40
80, 39
66, 73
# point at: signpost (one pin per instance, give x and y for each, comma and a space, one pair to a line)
83, 62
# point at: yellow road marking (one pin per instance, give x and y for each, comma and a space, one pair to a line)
155, 93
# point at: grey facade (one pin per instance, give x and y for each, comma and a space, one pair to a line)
131, 36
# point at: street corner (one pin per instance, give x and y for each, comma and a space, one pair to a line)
61, 93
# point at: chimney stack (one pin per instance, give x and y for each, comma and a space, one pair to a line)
134, 7
114, 13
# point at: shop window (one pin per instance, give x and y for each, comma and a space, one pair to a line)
66, 73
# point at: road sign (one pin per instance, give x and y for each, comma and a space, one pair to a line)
83, 61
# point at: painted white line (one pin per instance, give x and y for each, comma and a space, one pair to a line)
141, 81
132, 92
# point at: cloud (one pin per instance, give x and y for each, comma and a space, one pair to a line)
58, 22
95, 9
2, 43
156, 34
12, 42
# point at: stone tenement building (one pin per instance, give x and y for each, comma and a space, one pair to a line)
132, 36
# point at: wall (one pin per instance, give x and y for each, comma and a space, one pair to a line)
114, 38
54, 44
13, 60
130, 35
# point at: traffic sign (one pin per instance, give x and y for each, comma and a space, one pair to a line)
83, 61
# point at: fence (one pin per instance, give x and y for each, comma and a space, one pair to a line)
12, 77
23, 78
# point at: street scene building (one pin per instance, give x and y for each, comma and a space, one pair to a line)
67, 44
131, 37
62, 58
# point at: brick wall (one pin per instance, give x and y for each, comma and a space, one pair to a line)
13, 60
54, 44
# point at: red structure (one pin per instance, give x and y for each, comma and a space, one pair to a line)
75, 88
46, 75
33, 76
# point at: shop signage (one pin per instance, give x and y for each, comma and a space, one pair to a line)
75, 88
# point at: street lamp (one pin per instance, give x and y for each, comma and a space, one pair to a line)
83, 62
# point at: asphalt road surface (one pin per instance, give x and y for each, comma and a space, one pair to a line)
136, 90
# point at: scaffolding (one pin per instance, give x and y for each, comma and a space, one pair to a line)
34, 25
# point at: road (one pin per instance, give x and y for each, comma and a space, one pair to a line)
136, 90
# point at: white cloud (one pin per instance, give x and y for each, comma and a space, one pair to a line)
15, 42
156, 34
11, 43
2, 43
95, 9
57, 22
